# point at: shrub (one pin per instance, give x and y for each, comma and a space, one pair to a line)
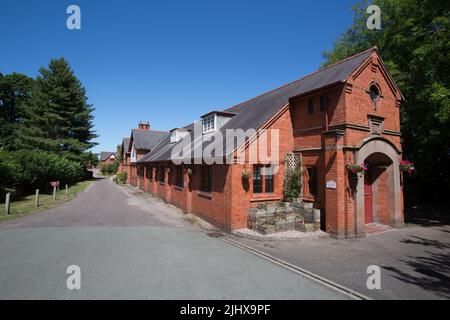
120, 178
109, 169
38, 168
292, 185
9, 172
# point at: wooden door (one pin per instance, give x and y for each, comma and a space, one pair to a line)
368, 196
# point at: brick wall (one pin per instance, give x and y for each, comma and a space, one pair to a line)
327, 138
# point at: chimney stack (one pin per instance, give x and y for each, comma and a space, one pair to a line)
144, 126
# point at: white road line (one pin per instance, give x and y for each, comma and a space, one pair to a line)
308, 274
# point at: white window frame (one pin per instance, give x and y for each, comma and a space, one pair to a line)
174, 137
209, 123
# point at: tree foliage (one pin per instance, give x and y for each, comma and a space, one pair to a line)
46, 128
15, 94
414, 42
36, 169
58, 117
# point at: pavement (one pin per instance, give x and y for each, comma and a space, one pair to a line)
129, 245
414, 261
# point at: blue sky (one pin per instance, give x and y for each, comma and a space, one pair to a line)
169, 62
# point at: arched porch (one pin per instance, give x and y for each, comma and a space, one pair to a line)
379, 193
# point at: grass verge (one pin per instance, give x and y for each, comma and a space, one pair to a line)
26, 205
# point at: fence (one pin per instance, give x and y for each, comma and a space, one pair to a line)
37, 199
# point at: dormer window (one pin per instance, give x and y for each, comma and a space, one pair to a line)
177, 134
215, 120
209, 123
174, 137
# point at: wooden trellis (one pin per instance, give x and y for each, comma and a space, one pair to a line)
293, 162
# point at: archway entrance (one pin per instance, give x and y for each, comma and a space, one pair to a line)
378, 195
377, 189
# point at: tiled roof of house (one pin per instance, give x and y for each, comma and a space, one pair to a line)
126, 145
254, 113
147, 139
105, 155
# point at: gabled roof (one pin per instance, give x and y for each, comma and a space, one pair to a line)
105, 155
126, 145
146, 139
254, 113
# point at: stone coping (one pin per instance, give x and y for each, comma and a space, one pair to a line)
281, 236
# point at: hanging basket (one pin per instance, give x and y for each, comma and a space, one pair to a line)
358, 169
407, 166
246, 174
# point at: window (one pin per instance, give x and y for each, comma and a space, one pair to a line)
257, 180
323, 103
206, 185
312, 180
209, 123
161, 174
374, 93
174, 137
179, 176
262, 179
310, 106
269, 183
140, 171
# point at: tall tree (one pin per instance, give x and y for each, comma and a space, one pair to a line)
59, 118
15, 93
414, 42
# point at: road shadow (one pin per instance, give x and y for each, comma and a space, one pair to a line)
431, 270
427, 217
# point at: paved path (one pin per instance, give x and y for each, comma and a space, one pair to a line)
134, 247
414, 261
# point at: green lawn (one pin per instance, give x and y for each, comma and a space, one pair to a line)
26, 205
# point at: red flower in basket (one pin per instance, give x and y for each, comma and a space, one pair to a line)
407, 166
358, 169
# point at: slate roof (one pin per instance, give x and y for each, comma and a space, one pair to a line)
105, 155
257, 111
147, 140
126, 145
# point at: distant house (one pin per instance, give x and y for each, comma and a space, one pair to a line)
107, 157
142, 140
124, 164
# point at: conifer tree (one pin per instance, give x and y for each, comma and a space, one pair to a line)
58, 118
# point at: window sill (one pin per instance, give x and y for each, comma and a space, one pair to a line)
309, 198
265, 197
162, 184
205, 195
178, 188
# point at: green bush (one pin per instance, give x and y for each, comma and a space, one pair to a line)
9, 172
292, 185
31, 169
109, 169
120, 178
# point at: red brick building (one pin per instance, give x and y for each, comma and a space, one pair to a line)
107, 157
124, 164
347, 113
142, 140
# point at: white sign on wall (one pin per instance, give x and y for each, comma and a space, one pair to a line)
331, 184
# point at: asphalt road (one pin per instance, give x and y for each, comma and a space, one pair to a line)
130, 247
414, 261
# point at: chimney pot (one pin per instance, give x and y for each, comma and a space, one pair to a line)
144, 125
